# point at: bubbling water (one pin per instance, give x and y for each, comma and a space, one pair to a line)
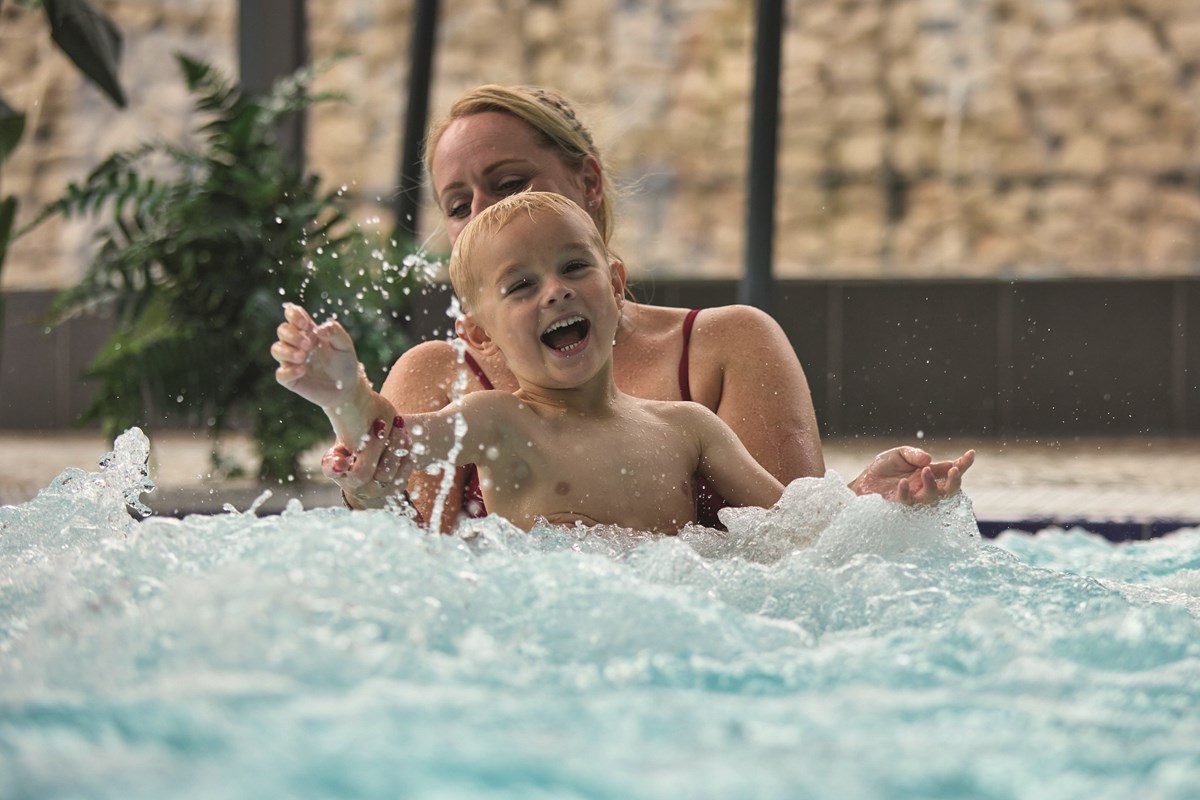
833, 646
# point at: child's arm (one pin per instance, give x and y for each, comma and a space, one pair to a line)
728, 465
318, 363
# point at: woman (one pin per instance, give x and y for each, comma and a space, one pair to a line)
735, 360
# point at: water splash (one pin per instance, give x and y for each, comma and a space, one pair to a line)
833, 647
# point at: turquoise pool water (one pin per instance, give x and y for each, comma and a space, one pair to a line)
834, 648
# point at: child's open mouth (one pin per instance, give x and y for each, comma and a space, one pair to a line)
566, 334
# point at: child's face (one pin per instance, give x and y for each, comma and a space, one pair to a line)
548, 298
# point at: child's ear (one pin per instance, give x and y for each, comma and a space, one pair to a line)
617, 267
475, 335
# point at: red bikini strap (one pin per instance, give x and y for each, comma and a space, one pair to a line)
478, 370
685, 391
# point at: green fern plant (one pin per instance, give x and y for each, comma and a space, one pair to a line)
198, 247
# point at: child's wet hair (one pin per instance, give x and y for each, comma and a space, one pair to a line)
464, 276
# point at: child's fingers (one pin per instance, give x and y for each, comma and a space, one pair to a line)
287, 374
929, 486
290, 334
915, 455
333, 334
953, 481
297, 316
285, 354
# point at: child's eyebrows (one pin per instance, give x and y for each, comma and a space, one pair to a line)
577, 248
509, 270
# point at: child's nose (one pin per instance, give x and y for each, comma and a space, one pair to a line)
556, 290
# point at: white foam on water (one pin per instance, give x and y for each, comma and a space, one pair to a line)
834, 646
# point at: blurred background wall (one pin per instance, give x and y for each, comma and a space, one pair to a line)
937, 143
965, 138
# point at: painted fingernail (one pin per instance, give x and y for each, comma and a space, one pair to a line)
398, 422
378, 427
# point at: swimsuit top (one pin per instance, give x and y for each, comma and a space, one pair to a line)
472, 503
708, 502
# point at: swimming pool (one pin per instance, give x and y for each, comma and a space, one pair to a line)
835, 647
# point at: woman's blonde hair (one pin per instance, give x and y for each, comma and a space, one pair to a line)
551, 117
464, 272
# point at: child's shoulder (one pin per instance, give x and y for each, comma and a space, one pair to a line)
675, 412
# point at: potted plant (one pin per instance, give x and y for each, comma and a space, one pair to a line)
198, 246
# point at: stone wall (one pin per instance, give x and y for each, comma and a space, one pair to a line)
71, 127
963, 138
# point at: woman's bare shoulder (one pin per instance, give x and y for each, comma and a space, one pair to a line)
729, 332
738, 317
436, 357
423, 378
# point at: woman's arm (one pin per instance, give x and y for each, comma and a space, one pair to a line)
728, 465
742, 359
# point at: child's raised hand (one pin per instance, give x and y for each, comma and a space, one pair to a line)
317, 362
909, 475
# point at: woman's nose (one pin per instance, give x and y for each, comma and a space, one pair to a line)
481, 201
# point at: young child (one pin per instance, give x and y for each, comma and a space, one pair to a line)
538, 285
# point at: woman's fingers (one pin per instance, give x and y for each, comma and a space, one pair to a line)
378, 468
336, 462
366, 457
394, 464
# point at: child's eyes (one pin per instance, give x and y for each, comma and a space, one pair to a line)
574, 266
517, 286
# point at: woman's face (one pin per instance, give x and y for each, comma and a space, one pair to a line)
487, 156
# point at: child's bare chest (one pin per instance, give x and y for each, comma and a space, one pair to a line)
635, 474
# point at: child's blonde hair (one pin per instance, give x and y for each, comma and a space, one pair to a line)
464, 276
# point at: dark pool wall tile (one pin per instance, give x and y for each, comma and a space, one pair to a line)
982, 358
